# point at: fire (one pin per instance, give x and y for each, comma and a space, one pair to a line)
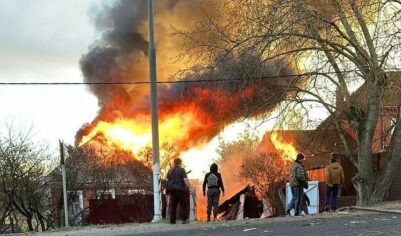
135, 134
128, 135
287, 149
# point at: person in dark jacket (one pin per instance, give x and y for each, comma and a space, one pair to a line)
178, 185
214, 184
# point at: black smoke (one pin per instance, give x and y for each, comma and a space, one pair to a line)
232, 88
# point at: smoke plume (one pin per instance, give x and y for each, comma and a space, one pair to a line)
232, 89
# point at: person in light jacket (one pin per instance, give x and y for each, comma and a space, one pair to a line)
334, 178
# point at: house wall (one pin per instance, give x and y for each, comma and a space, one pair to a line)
382, 135
381, 140
349, 173
349, 169
317, 174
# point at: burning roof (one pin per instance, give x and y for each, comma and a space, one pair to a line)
192, 110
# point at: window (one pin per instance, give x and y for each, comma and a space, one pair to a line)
137, 191
106, 194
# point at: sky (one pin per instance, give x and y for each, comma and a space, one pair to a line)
42, 41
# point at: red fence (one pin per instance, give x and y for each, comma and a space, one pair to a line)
122, 209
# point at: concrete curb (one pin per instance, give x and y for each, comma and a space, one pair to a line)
350, 208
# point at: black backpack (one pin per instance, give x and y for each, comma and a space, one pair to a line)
170, 185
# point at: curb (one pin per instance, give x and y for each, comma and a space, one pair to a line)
350, 208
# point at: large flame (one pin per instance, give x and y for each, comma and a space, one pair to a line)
134, 134
287, 149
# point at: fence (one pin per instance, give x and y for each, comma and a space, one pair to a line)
122, 209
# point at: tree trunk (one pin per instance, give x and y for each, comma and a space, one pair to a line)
42, 222
12, 224
366, 182
367, 194
29, 222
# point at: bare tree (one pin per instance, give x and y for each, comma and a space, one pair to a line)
80, 164
5, 205
23, 165
333, 46
168, 152
98, 170
266, 172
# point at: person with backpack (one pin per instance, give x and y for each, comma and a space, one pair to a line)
177, 186
214, 184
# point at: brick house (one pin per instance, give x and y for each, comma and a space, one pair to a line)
318, 144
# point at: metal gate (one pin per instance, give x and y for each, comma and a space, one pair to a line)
313, 194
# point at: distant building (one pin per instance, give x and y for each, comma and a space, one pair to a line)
96, 183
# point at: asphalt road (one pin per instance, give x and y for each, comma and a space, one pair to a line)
344, 223
369, 224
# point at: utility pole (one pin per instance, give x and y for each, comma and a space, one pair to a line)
155, 119
62, 162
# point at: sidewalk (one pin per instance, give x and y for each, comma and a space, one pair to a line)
164, 226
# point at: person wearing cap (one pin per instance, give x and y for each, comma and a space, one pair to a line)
177, 185
214, 183
297, 182
334, 178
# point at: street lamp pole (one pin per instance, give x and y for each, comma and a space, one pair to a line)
154, 113
63, 174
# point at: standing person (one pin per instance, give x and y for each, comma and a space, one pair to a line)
214, 183
297, 182
334, 178
177, 185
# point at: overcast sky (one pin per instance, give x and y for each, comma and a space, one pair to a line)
42, 41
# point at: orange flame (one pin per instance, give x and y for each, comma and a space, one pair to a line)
287, 149
134, 134
126, 134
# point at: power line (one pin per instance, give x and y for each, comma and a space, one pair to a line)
175, 81
141, 82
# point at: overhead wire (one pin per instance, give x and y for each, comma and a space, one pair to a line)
174, 81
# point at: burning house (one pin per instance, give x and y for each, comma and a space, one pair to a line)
193, 107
